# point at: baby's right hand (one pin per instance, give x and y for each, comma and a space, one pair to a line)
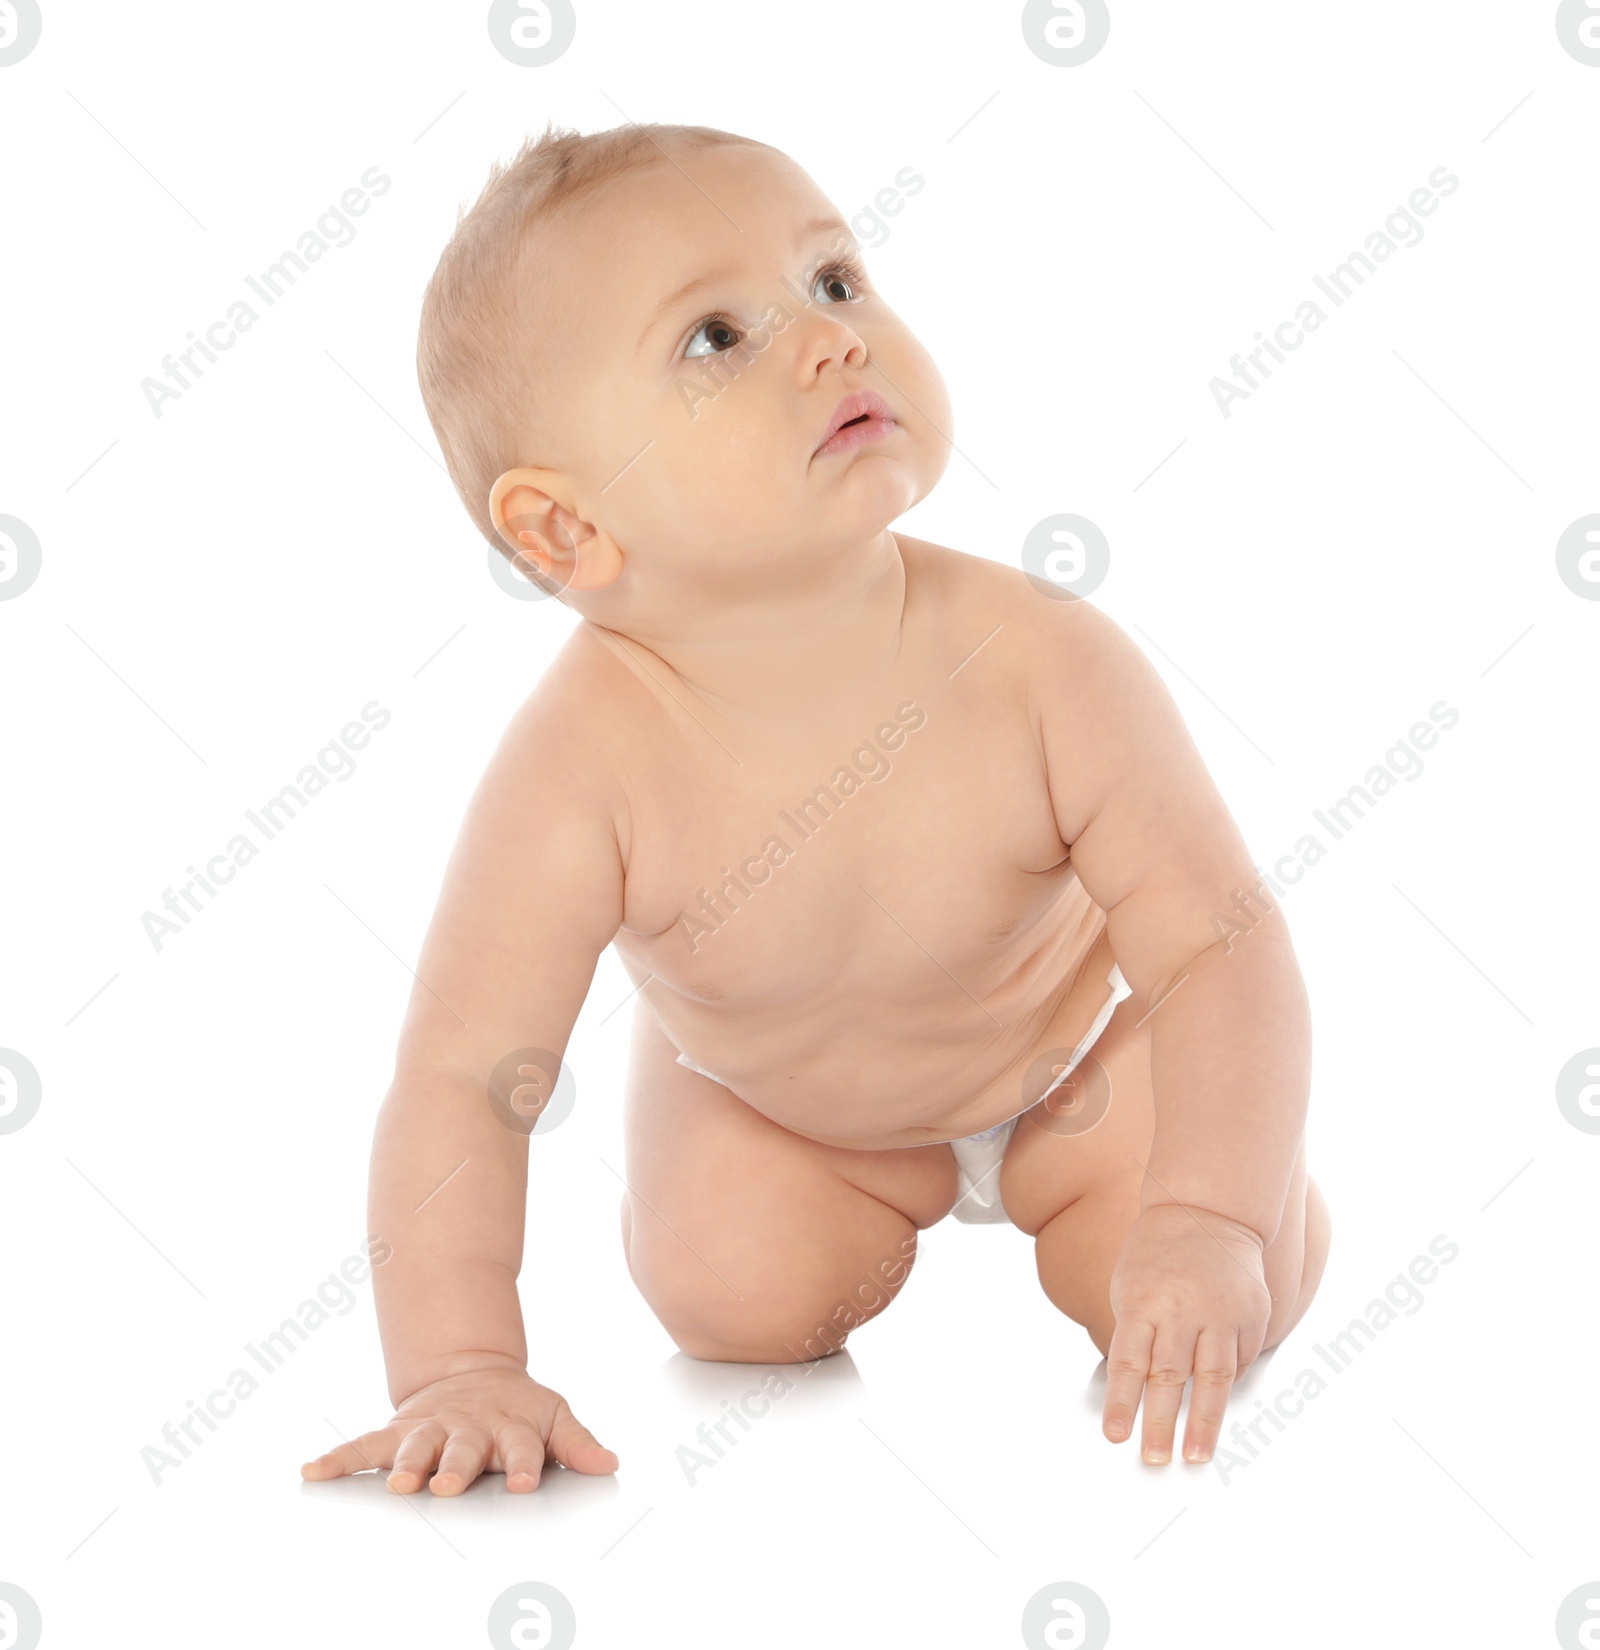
496, 1419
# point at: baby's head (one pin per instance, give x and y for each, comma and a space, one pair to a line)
631, 350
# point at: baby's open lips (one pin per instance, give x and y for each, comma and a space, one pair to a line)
863, 412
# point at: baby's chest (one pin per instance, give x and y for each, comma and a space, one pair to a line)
923, 853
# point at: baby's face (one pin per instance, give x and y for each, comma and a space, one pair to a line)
693, 442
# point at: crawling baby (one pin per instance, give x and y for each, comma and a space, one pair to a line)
888, 836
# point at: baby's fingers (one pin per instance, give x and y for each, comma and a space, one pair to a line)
1127, 1365
522, 1457
1216, 1363
371, 1449
574, 1446
1171, 1360
414, 1459
465, 1456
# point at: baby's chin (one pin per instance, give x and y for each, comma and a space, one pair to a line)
868, 489
832, 531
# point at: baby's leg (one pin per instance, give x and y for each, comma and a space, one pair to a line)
752, 1244
1078, 1194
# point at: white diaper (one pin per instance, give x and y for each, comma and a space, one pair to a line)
978, 1156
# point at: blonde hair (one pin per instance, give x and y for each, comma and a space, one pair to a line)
480, 382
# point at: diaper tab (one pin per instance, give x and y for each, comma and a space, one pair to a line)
1120, 989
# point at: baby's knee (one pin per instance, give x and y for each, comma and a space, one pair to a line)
783, 1351
754, 1337
708, 1321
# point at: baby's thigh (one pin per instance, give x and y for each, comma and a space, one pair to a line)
751, 1243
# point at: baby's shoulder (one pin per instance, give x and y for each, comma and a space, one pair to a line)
582, 688
566, 730
969, 590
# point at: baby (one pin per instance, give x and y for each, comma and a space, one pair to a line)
887, 836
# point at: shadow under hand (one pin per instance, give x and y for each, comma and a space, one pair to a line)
561, 1493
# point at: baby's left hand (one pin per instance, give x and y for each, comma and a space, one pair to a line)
1190, 1297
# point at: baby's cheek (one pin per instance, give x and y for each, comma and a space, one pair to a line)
697, 489
925, 386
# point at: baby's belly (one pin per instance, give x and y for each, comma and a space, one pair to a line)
871, 1070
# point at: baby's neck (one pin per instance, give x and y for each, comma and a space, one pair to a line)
783, 659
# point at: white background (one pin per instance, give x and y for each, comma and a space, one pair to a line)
224, 587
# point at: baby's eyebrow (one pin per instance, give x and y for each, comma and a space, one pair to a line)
678, 294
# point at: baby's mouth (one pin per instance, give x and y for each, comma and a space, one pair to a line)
857, 432
867, 418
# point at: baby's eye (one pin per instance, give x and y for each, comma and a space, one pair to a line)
723, 335
842, 280
843, 275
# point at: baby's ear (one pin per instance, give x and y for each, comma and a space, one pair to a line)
531, 522
567, 552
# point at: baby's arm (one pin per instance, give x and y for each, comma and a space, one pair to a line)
1230, 1032
532, 895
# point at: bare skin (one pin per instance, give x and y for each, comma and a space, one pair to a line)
1003, 801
